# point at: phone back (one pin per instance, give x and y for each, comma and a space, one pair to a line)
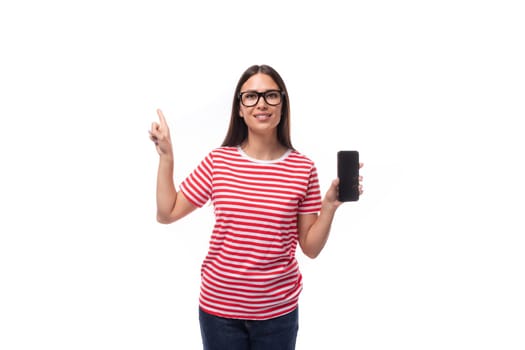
348, 174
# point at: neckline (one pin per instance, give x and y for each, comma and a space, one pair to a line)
263, 161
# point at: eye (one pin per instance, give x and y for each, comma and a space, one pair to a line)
273, 95
249, 96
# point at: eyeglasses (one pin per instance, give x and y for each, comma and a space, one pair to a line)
251, 98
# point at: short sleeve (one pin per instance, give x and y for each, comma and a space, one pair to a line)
311, 203
197, 187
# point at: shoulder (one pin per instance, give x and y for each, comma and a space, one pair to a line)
223, 154
224, 151
300, 158
300, 163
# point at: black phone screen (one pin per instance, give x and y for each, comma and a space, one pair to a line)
348, 174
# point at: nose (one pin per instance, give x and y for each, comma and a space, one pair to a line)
261, 103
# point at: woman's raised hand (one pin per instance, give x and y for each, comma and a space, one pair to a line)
160, 135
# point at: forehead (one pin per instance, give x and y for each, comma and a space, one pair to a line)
260, 82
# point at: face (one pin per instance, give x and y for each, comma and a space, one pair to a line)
263, 117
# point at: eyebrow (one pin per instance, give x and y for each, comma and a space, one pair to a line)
251, 90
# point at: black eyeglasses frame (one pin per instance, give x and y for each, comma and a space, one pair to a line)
259, 94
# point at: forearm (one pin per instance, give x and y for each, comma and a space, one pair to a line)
317, 235
166, 192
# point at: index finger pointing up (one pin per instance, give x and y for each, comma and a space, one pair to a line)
161, 118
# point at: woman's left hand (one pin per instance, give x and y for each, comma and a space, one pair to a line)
332, 195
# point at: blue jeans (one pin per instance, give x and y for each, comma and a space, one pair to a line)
220, 333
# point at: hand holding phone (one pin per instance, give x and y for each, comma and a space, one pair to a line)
348, 174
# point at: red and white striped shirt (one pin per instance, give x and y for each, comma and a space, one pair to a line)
250, 271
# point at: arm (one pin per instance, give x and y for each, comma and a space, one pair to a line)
171, 205
314, 229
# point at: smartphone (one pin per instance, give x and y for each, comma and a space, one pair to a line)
348, 174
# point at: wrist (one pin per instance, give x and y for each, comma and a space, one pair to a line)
329, 207
166, 157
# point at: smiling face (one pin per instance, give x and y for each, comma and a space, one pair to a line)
265, 77
262, 117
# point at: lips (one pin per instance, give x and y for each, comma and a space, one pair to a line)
262, 116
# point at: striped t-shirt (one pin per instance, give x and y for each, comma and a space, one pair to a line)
250, 271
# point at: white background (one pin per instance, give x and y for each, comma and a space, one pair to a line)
430, 92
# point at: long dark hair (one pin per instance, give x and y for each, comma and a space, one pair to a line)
238, 131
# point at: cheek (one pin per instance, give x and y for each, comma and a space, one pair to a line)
279, 112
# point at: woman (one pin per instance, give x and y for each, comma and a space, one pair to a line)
267, 200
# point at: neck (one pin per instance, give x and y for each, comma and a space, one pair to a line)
263, 148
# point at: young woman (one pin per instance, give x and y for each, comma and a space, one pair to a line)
267, 200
